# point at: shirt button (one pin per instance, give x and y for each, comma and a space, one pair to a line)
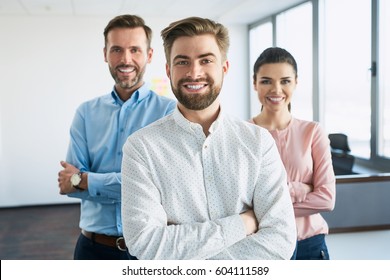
205, 146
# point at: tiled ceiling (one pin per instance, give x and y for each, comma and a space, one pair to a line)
229, 11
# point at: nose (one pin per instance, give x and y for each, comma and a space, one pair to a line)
276, 88
194, 70
127, 57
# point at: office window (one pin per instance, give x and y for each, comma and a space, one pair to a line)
384, 87
346, 79
294, 32
335, 43
260, 38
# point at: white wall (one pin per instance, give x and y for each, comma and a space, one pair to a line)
48, 67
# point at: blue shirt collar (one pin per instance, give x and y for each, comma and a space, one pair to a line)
136, 97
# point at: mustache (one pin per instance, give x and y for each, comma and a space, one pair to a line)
189, 80
126, 65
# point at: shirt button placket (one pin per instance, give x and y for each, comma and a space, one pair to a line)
208, 177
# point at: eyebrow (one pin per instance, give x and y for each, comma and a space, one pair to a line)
181, 56
130, 47
282, 78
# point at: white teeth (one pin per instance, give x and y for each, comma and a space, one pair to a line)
194, 87
275, 99
126, 70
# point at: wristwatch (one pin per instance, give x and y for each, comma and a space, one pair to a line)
75, 181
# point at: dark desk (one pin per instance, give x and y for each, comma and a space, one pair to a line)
362, 203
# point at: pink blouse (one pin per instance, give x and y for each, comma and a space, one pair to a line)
305, 151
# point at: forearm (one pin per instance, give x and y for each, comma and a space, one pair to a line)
268, 244
299, 191
275, 237
105, 185
322, 199
179, 242
101, 187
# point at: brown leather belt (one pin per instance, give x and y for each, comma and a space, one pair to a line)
111, 241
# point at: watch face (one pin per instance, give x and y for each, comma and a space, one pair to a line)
75, 179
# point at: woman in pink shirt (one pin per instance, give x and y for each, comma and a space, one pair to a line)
304, 149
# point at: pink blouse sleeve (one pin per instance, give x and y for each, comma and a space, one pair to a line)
322, 198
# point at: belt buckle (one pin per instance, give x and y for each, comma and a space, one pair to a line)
118, 243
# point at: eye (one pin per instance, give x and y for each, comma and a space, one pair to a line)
181, 62
116, 50
285, 82
134, 50
265, 82
206, 61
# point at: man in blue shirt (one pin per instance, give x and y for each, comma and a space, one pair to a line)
92, 171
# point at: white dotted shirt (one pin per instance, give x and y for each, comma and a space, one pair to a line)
182, 192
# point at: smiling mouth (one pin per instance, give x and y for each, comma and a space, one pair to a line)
126, 70
275, 99
195, 87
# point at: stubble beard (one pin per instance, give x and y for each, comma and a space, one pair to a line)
126, 83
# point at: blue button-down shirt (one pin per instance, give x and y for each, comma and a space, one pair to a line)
99, 130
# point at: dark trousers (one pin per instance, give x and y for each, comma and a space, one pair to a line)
313, 248
86, 249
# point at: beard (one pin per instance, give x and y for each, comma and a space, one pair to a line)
125, 82
196, 101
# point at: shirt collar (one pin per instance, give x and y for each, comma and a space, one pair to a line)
136, 97
218, 122
191, 126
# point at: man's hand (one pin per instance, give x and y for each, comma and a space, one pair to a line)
64, 177
250, 221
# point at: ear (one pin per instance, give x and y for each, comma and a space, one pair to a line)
225, 67
150, 55
105, 54
254, 80
168, 70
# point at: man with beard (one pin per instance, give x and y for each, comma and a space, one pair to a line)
92, 171
199, 184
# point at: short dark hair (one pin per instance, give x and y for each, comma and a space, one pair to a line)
194, 26
128, 21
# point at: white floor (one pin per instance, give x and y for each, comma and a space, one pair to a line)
367, 245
